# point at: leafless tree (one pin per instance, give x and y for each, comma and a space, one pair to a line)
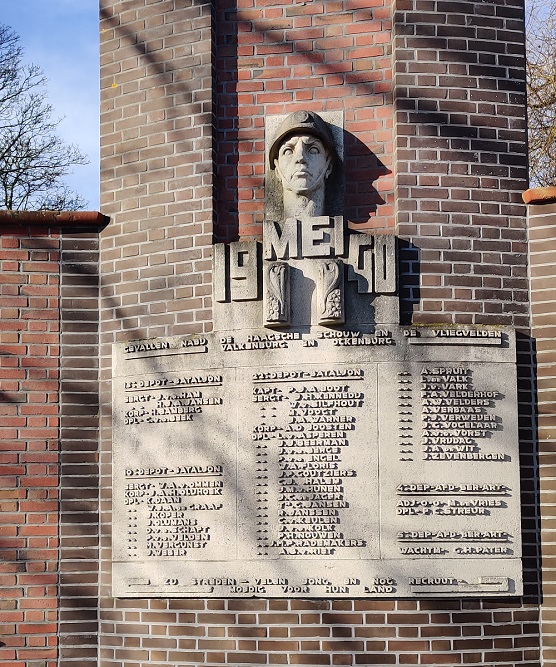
541, 90
33, 158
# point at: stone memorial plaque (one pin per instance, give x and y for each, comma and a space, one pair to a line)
317, 462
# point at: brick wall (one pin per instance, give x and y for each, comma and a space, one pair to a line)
29, 376
204, 75
38, 346
276, 58
461, 159
79, 436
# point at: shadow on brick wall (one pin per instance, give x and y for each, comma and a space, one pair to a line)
409, 279
529, 467
248, 87
363, 168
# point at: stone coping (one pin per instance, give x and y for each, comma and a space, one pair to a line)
545, 195
86, 220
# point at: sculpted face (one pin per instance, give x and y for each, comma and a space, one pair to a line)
303, 163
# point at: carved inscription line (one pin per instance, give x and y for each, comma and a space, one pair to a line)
166, 382
453, 489
181, 471
301, 376
456, 337
454, 536
163, 348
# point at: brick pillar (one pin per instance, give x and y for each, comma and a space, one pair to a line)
79, 448
29, 470
542, 224
157, 166
453, 130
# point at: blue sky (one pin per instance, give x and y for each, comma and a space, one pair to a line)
61, 36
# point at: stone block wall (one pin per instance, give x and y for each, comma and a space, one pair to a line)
435, 152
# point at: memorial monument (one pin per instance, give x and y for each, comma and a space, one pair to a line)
279, 404
311, 432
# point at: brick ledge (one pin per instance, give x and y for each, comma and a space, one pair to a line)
540, 195
86, 220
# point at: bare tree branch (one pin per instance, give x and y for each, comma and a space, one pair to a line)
541, 90
33, 158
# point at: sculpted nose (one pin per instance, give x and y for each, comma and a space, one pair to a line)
300, 152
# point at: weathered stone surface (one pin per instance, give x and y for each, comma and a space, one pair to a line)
317, 462
274, 190
277, 294
366, 286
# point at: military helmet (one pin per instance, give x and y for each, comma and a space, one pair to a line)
302, 122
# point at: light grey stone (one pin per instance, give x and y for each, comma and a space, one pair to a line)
368, 284
220, 273
331, 292
317, 462
360, 265
244, 271
361, 292
385, 274
281, 240
322, 237
276, 285
309, 238
274, 208
236, 269
372, 263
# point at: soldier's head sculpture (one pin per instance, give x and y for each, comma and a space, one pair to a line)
303, 155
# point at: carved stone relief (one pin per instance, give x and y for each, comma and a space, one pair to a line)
310, 446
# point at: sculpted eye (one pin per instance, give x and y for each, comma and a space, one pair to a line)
286, 150
315, 150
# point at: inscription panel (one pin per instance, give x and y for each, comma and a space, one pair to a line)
317, 463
